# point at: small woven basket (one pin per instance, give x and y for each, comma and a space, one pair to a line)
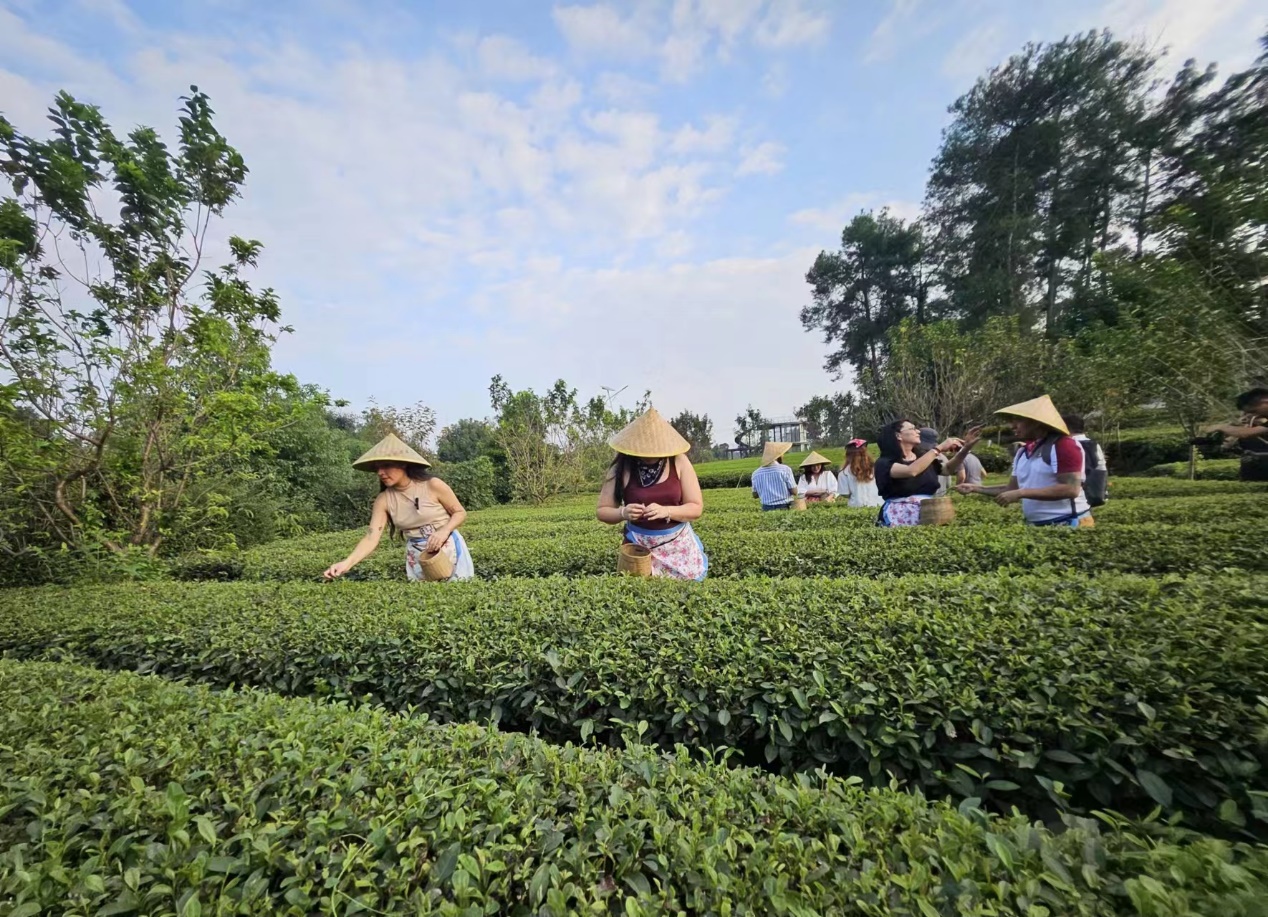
799, 503
937, 511
435, 567
633, 560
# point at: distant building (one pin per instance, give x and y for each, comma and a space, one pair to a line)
780, 430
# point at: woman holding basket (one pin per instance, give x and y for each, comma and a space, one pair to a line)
418, 505
653, 490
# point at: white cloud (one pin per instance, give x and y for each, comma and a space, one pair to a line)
976, 52
504, 58
1220, 30
694, 30
601, 30
833, 217
716, 136
899, 26
746, 309
789, 24
763, 159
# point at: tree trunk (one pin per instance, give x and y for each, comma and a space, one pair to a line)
1054, 261
1193, 462
1144, 206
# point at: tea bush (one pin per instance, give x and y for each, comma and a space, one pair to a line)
130, 795
1120, 691
858, 550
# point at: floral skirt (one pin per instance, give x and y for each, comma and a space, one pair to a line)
901, 512
455, 548
676, 553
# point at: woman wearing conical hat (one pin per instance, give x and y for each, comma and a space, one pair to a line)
1047, 478
817, 483
416, 504
653, 490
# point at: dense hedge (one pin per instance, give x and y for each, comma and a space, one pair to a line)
731, 516
124, 794
1207, 470
853, 551
472, 482
1123, 691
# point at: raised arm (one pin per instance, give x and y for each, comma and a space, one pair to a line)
966, 446
921, 464
369, 541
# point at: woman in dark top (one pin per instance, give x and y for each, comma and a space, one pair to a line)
652, 488
905, 478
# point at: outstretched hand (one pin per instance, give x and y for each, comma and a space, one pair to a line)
337, 570
972, 437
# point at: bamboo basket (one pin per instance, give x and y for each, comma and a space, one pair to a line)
799, 503
436, 567
633, 560
937, 511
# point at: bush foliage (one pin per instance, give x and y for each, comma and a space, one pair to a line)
124, 794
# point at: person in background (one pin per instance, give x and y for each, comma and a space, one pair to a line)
971, 470
904, 479
1047, 476
857, 480
1250, 434
652, 488
773, 482
1095, 468
817, 484
418, 505
929, 440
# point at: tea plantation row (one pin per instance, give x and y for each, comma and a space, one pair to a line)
847, 551
130, 795
1115, 692
730, 515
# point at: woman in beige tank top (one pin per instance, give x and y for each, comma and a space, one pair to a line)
422, 508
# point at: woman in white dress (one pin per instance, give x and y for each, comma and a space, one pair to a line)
817, 484
857, 480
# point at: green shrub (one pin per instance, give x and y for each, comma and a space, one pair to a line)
1207, 470
124, 794
1124, 691
472, 482
849, 551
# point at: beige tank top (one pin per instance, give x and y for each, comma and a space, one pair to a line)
411, 519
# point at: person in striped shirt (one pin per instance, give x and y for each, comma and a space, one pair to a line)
773, 483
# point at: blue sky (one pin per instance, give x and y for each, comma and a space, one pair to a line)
618, 193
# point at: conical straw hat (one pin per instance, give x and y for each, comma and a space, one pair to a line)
1041, 409
773, 451
814, 458
390, 449
650, 436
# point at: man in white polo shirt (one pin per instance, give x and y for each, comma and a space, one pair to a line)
773, 482
1047, 474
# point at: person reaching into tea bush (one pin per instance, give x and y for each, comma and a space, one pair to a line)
652, 488
1047, 476
420, 507
1250, 434
905, 479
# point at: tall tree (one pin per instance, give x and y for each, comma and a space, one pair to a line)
748, 428
866, 288
142, 368
831, 418
1026, 187
465, 440
697, 429
1213, 208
